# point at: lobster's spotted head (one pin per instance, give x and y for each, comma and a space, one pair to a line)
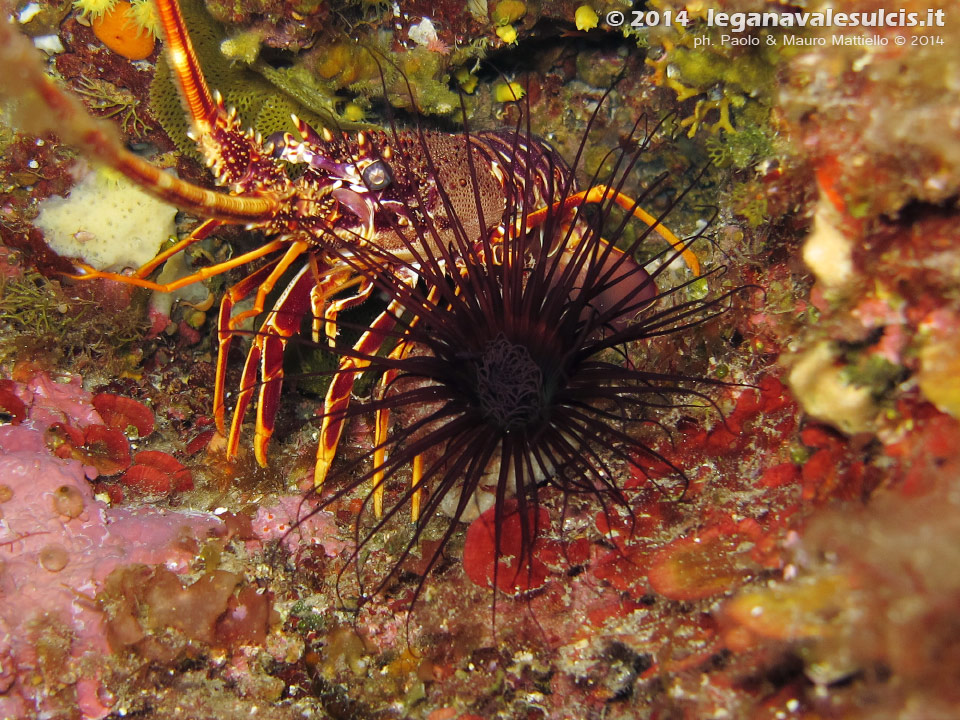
394, 189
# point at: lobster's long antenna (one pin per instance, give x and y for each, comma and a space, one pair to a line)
197, 100
41, 106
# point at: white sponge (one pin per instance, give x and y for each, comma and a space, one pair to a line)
107, 222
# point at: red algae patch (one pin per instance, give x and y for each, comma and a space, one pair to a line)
517, 569
11, 406
123, 413
105, 449
158, 472
701, 566
201, 441
147, 479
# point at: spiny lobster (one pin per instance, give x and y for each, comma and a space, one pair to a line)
373, 188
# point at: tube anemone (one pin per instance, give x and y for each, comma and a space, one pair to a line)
516, 369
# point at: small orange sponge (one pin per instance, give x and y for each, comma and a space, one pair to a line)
117, 30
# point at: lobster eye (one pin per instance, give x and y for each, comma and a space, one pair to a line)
377, 175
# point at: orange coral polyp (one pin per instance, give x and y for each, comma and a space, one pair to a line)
117, 30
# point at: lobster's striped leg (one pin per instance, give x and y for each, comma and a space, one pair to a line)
201, 232
305, 292
266, 287
225, 333
338, 394
281, 324
382, 418
603, 193
321, 293
248, 379
382, 426
89, 273
417, 494
335, 307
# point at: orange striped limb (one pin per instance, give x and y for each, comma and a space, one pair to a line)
603, 193
196, 95
294, 251
90, 273
382, 426
201, 232
417, 494
382, 421
319, 297
266, 351
282, 322
225, 334
338, 394
334, 307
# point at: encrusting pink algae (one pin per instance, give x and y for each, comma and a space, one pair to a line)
58, 544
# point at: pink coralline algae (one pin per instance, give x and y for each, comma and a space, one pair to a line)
51, 402
11, 406
57, 546
293, 523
